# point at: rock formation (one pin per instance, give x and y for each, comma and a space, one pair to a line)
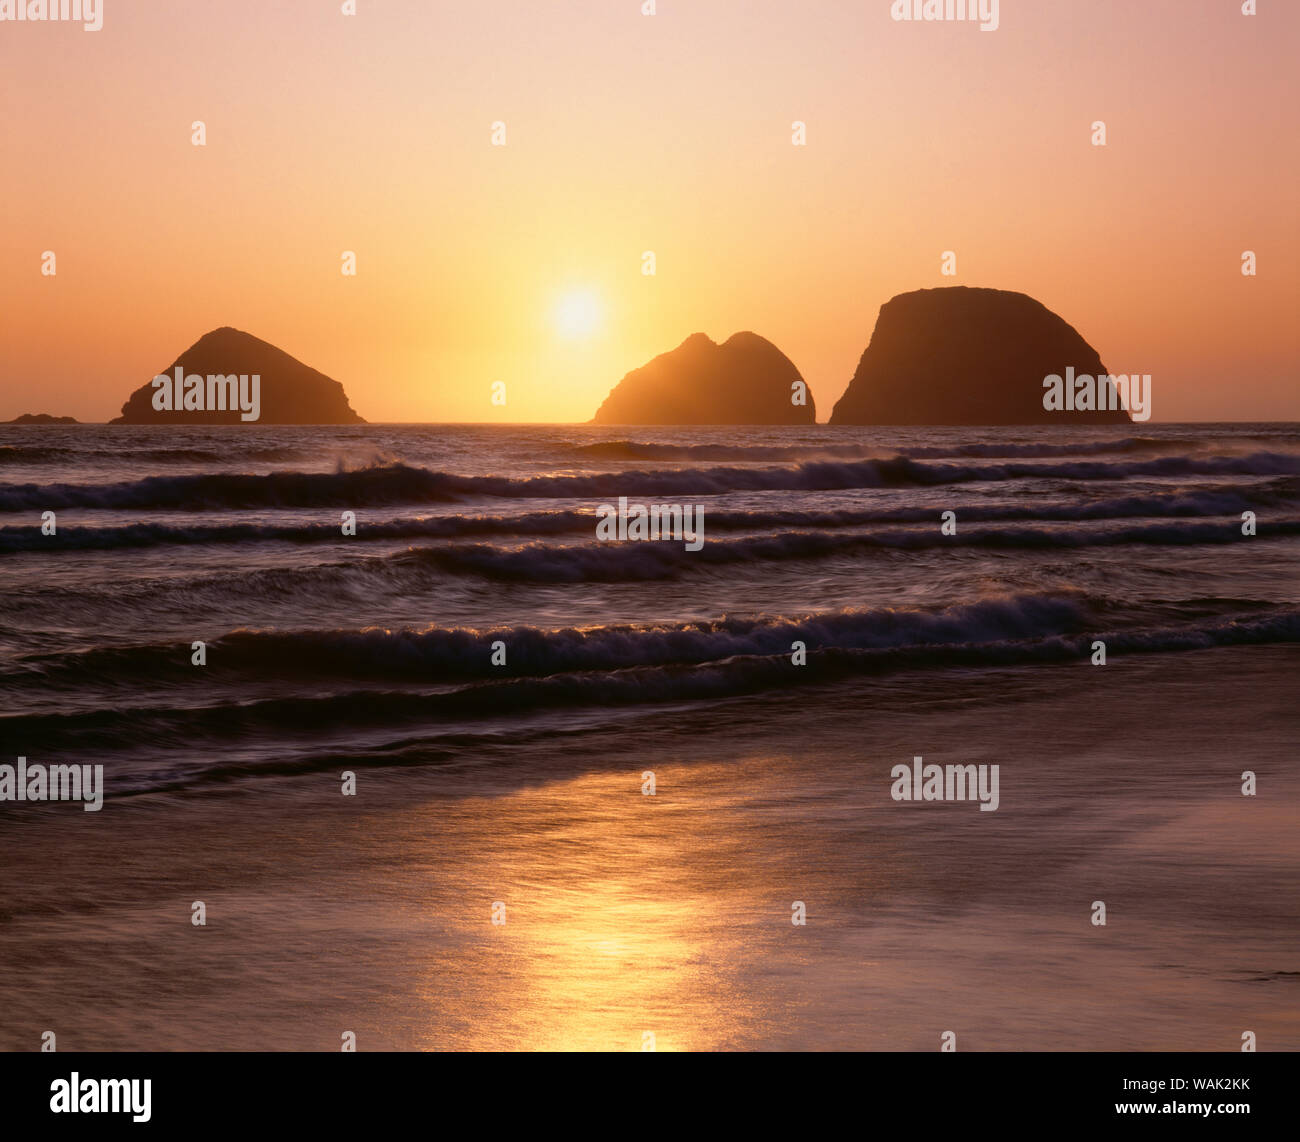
290, 392
970, 356
745, 380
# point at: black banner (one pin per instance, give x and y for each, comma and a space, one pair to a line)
171, 1092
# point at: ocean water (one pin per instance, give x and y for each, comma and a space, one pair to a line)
517, 791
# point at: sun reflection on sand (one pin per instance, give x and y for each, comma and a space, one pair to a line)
621, 919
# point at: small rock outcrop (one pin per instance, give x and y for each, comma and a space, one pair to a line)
289, 391
745, 380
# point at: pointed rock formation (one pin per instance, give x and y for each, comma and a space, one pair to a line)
745, 380
968, 356
290, 392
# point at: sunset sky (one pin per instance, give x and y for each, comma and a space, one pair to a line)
628, 133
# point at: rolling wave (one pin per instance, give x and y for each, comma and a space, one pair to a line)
155, 534
455, 654
321, 717
415, 569
239, 450
1222, 501
399, 483
647, 561
653, 450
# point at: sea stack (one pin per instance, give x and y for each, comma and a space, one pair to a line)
745, 380
970, 356
288, 392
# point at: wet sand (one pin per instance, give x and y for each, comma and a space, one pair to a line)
627, 914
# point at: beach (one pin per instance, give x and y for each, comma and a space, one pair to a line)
519, 793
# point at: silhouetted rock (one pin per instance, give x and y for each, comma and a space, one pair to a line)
968, 356
289, 391
41, 418
745, 380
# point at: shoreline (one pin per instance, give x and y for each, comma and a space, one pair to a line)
627, 913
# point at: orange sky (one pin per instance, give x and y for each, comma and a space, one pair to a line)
627, 133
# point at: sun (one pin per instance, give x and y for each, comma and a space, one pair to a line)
578, 314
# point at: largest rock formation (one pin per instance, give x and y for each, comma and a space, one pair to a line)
290, 392
745, 380
968, 356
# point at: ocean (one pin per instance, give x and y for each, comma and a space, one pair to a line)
604, 791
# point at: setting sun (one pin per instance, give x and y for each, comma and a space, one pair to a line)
578, 314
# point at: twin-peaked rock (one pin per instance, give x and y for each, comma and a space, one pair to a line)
745, 380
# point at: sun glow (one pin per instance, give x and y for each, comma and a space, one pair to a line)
578, 314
